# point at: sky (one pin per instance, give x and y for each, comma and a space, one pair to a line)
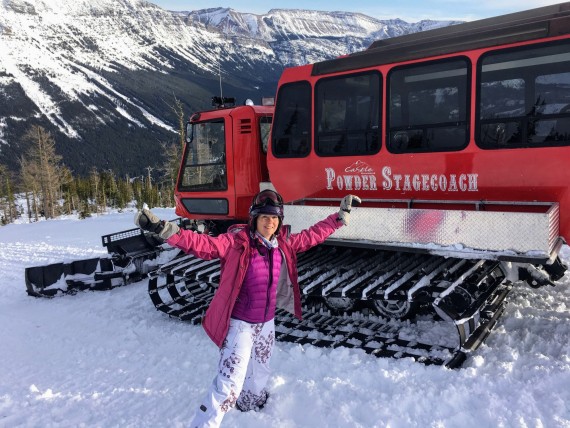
408, 10
109, 359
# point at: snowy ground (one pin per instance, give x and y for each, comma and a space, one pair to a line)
109, 359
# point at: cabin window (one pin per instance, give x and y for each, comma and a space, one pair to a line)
524, 97
428, 107
291, 136
347, 115
264, 132
204, 166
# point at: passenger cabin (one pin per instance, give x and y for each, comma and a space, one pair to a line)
471, 117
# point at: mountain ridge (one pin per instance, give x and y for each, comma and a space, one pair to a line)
102, 75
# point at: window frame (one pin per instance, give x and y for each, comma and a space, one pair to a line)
221, 162
346, 132
275, 124
426, 126
263, 120
524, 120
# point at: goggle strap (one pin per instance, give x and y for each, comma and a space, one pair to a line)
268, 196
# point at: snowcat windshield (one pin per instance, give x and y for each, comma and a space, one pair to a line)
204, 166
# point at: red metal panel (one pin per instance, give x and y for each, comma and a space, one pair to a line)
537, 174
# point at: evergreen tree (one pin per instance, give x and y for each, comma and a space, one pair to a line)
8, 208
95, 183
30, 187
70, 193
149, 190
125, 192
42, 170
172, 154
137, 186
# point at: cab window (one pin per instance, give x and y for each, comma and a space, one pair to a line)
524, 97
347, 115
291, 136
428, 107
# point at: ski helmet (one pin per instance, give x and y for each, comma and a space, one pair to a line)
266, 202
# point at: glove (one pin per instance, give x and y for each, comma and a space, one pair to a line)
345, 206
146, 220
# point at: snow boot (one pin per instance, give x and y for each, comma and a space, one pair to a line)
256, 407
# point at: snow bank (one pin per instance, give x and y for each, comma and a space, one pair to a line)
109, 359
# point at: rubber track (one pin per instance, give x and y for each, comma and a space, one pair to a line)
183, 288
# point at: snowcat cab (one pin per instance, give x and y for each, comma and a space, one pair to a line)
223, 163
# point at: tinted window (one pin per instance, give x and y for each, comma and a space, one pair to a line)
264, 130
204, 162
291, 136
428, 107
347, 115
524, 97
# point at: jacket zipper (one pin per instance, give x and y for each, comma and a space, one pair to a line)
268, 297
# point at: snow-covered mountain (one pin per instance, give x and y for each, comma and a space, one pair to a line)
102, 75
300, 36
306, 36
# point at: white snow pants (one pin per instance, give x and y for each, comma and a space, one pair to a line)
243, 371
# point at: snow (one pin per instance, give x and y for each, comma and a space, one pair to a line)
109, 359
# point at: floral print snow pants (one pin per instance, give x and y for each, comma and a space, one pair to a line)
243, 371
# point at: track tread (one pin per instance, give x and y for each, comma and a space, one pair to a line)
356, 273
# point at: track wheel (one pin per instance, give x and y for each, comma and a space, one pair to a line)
394, 309
340, 304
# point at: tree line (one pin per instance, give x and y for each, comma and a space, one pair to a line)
45, 188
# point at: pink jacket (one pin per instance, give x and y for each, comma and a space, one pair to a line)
233, 248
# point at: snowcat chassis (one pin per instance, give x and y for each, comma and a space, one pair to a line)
359, 288
356, 292
472, 303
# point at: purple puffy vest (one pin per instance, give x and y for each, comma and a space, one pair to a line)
257, 297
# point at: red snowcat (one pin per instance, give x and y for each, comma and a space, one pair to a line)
456, 139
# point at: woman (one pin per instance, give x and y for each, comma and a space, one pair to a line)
258, 274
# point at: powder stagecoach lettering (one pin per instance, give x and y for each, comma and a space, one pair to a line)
361, 176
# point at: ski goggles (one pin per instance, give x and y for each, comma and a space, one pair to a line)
267, 198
